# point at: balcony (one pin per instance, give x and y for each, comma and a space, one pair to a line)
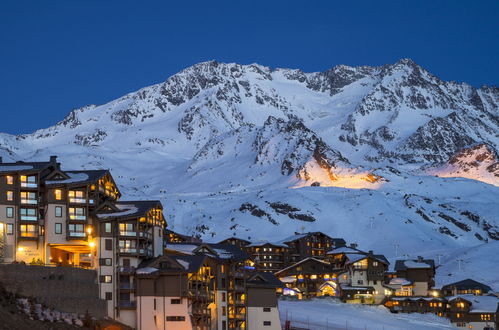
128, 250
146, 252
77, 234
128, 233
29, 185
145, 235
29, 234
77, 200
125, 304
78, 217
127, 286
29, 201
29, 218
126, 269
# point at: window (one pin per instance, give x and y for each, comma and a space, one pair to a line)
175, 301
76, 230
28, 214
223, 284
266, 309
109, 244
375, 263
10, 212
154, 303
58, 211
77, 213
58, 194
76, 196
360, 282
10, 195
107, 227
29, 231
10, 229
109, 296
106, 278
28, 181
224, 311
175, 318
267, 323
10, 179
224, 296
58, 228
105, 262
224, 325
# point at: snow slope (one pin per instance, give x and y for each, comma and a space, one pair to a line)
352, 151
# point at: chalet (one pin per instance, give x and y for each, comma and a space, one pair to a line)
421, 272
467, 286
312, 244
268, 256
173, 237
411, 304
357, 294
175, 292
239, 242
399, 287
306, 278
363, 270
262, 311
474, 312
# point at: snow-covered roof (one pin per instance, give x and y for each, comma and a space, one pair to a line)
479, 304
146, 270
261, 243
415, 264
8, 168
344, 249
302, 261
183, 248
400, 281
73, 177
126, 210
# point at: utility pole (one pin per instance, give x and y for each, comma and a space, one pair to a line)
396, 249
459, 261
439, 256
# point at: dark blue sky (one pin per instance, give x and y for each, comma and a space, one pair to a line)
60, 55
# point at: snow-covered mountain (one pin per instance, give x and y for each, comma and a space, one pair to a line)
390, 157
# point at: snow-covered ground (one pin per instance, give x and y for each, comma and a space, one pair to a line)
324, 314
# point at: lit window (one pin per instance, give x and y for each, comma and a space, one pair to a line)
10, 229
10, 195
10, 179
58, 194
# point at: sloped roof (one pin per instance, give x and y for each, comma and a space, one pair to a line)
262, 243
467, 284
79, 177
129, 209
186, 263
234, 237
345, 249
479, 304
301, 262
414, 264
263, 279
220, 251
23, 166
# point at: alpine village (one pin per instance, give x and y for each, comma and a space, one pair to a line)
71, 230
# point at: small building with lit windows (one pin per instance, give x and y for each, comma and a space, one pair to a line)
420, 271
467, 286
474, 312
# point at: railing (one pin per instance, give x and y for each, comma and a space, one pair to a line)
29, 234
28, 201
90, 201
29, 184
76, 234
147, 252
144, 234
128, 233
29, 217
126, 269
128, 250
77, 217
127, 304
78, 200
127, 286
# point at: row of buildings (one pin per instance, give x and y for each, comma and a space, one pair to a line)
154, 278
314, 264
55, 217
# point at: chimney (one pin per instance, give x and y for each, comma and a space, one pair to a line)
370, 252
353, 245
1, 160
420, 259
53, 159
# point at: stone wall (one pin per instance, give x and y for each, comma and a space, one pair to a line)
66, 289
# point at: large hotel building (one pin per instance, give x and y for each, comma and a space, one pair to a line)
55, 217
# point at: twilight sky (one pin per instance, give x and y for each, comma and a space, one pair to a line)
60, 55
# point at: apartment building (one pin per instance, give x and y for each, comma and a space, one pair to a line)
57, 217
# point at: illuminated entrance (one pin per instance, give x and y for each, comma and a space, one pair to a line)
70, 255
